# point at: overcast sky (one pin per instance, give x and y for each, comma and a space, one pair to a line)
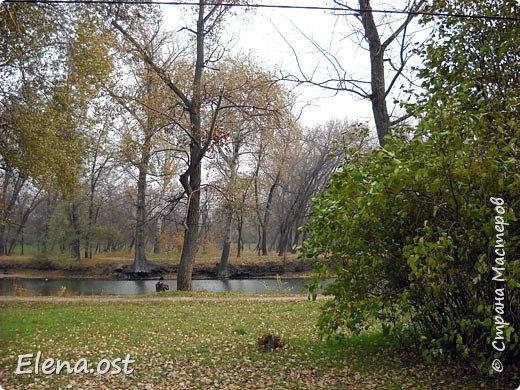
273, 35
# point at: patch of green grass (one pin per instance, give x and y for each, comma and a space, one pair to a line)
197, 344
196, 294
28, 250
239, 330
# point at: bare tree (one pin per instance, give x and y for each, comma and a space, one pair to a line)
381, 45
98, 160
270, 180
209, 17
28, 202
12, 182
314, 159
254, 105
271, 156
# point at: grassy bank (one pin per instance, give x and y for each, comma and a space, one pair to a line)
112, 265
209, 256
197, 344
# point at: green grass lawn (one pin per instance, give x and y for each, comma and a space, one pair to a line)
202, 344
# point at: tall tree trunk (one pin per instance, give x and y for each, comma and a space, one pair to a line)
44, 237
240, 243
191, 233
226, 249
194, 172
140, 262
284, 238
10, 248
88, 236
75, 224
377, 72
230, 205
2, 238
7, 203
263, 243
89, 246
296, 238
259, 239
25, 217
264, 220
191, 178
3, 211
267, 213
274, 240
95, 174
157, 240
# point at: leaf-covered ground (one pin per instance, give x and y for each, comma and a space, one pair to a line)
211, 344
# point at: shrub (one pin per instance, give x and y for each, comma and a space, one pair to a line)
409, 230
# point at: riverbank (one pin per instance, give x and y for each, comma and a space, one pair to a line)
117, 268
170, 296
210, 343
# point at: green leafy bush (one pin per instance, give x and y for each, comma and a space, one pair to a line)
409, 230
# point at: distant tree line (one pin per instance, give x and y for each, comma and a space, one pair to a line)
118, 135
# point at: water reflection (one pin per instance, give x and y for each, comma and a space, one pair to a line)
138, 287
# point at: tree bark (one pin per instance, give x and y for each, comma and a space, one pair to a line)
240, 243
21, 226
284, 239
377, 72
158, 233
8, 202
44, 237
2, 239
191, 231
76, 227
191, 178
194, 172
230, 204
95, 174
264, 221
226, 248
88, 236
140, 263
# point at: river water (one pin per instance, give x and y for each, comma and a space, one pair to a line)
137, 287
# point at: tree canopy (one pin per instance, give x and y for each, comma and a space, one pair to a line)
53, 61
410, 229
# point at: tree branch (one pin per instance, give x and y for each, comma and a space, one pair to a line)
413, 8
146, 57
